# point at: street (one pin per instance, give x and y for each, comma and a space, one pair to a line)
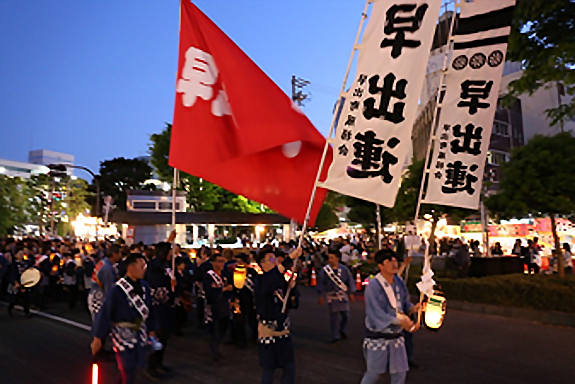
470, 348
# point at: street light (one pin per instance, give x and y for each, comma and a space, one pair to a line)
59, 167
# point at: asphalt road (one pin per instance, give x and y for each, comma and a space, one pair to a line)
470, 348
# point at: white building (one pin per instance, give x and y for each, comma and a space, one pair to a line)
21, 169
37, 163
45, 157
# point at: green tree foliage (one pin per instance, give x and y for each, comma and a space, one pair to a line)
119, 175
542, 40
12, 204
203, 196
406, 202
327, 217
539, 178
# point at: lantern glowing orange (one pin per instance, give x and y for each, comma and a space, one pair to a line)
240, 277
435, 311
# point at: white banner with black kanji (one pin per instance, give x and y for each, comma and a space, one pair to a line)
373, 135
468, 107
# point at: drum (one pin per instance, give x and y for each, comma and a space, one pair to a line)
30, 278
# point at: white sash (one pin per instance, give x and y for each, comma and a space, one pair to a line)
335, 278
135, 299
217, 279
391, 296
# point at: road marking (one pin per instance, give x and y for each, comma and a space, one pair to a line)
52, 317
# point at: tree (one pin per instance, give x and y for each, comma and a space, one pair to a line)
202, 196
542, 41
120, 175
327, 217
12, 203
364, 213
406, 202
539, 178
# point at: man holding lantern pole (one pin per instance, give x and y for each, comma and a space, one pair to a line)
387, 307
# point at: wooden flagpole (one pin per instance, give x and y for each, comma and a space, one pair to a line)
440, 89
342, 93
174, 196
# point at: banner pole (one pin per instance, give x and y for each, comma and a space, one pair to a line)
174, 190
432, 130
332, 126
427, 257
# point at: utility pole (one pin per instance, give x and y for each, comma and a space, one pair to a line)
298, 95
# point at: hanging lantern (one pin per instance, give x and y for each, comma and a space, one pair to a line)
239, 277
435, 311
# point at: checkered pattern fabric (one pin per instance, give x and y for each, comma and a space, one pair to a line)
160, 295
126, 338
381, 344
95, 301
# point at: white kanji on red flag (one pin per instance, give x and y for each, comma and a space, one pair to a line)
199, 75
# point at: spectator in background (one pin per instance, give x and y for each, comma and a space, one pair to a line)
422, 247
496, 250
568, 257
345, 251
461, 258
516, 251
529, 257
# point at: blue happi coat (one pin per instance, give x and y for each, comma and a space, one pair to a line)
131, 345
270, 289
383, 346
337, 299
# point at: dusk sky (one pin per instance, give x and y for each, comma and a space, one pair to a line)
94, 78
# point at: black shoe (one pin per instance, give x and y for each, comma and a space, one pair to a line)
334, 342
163, 369
343, 335
414, 366
152, 375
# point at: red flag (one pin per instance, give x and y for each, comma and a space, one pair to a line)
234, 127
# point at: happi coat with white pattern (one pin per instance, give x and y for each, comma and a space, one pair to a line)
384, 346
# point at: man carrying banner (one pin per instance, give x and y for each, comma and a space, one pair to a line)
387, 307
126, 312
336, 285
275, 345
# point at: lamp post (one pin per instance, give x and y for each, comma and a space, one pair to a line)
63, 168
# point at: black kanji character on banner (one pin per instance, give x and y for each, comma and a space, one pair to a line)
353, 105
387, 92
459, 179
361, 79
441, 155
475, 90
343, 150
471, 133
358, 92
346, 134
444, 136
400, 25
369, 154
350, 121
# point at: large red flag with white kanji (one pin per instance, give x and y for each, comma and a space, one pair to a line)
234, 127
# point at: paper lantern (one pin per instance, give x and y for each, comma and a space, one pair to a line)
239, 277
435, 311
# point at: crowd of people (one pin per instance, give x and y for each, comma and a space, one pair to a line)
138, 300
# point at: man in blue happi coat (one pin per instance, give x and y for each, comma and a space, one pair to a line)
126, 313
275, 344
387, 307
336, 286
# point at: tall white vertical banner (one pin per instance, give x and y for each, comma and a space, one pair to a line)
469, 103
373, 135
